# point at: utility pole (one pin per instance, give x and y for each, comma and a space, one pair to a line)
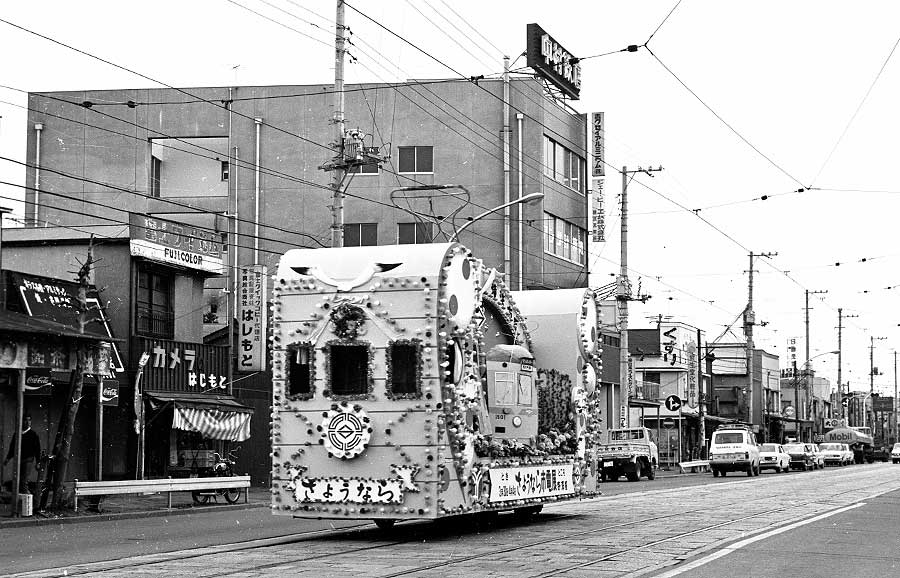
894, 404
749, 322
872, 377
806, 365
840, 384
349, 149
340, 169
623, 296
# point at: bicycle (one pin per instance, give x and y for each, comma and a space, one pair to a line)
222, 467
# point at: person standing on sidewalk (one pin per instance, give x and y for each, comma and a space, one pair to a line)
31, 451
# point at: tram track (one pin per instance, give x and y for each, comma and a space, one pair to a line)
440, 530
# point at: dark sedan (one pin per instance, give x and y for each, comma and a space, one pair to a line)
802, 456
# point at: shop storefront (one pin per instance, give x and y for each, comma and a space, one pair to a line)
185, 408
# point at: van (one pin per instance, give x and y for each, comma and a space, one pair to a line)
733, 448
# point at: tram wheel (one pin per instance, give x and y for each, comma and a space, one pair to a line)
527, 512
385, 523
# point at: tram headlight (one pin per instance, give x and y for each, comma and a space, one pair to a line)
517, 421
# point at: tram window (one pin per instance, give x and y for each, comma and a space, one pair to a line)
504, 388
300, 371
405, 369
349, 369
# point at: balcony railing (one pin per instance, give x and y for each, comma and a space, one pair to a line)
155, 323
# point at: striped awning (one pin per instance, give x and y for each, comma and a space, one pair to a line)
212, 423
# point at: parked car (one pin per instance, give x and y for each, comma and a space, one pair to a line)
733, 448
820, 457
836, 454
895, 454
802, 456
773, 457
881, 453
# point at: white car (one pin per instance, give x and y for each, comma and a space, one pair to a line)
895, 454
773, 457
733, 448
836, 454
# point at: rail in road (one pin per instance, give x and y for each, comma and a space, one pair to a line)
626, 535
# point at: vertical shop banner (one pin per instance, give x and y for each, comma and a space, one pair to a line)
252, 321
598, 171
692, 397
597, 141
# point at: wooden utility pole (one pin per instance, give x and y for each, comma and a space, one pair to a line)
66, 431
806, 364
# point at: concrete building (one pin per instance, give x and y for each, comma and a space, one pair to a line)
758, 403
668, 360
246, 161
240, 167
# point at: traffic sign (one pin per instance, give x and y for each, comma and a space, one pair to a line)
673, 403
668, 423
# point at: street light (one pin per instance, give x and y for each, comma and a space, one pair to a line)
797, 389
525, 199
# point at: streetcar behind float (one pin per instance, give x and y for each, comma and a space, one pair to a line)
405, 387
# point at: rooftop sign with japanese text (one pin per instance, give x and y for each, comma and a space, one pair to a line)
176, 244
553, 62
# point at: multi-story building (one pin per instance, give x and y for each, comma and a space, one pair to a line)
240, 167
757, 401
669, 360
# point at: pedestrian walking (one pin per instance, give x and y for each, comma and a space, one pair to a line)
31, 451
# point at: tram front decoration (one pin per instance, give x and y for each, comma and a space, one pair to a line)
346, 431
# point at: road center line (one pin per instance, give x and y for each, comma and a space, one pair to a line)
747, 541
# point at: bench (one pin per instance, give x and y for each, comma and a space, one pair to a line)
695, 466
167, 485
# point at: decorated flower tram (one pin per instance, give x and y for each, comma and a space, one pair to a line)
405, 387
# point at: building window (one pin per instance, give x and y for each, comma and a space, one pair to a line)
348, 370
366, 169
155, 315
155, 174
404, 361
300, 371
414, 233
224, 172
360, 234
564, 239
416, 159
563, 165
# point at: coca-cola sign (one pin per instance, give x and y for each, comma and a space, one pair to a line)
109, 392
38, 381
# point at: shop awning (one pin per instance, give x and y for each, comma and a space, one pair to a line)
219, 417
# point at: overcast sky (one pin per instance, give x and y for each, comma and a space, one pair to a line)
737, 101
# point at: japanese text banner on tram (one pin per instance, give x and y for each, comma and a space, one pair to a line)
530, 482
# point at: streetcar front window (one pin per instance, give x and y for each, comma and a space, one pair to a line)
405, 368
300, 370
349, 369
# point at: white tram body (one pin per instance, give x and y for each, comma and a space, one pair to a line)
405, 388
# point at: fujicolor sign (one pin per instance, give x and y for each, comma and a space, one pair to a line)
176, 244
553, 62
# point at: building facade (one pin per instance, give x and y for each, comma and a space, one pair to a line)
241, 167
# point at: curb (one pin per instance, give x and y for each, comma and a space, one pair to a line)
38, 520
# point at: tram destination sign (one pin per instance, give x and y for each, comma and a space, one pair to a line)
526, 482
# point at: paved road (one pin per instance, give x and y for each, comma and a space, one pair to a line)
636, 529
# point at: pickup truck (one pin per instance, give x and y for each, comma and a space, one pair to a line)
630, 452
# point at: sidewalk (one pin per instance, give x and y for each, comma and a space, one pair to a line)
131, 506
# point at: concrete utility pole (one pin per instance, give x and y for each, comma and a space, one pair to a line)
749, 322
894, 404
807, 366
872, 340
339, 169
623, 296
840, 384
